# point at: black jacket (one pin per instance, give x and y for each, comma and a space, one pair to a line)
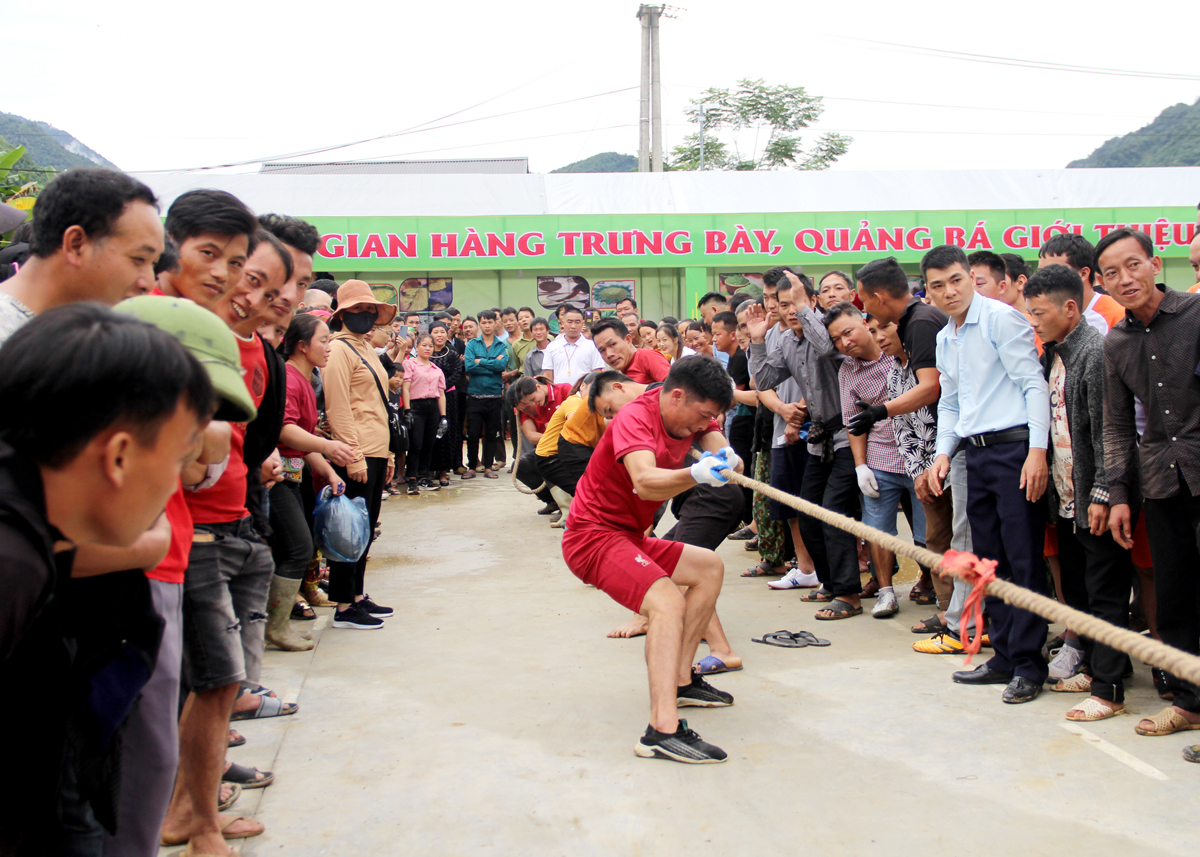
262, 436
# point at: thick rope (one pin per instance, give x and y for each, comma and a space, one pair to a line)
1147, 649
517, 482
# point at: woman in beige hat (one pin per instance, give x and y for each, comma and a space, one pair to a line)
357, 413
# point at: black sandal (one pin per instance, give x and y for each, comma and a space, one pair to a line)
752, 544
302, 612
932, 625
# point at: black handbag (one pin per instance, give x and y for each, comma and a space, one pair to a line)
397, 430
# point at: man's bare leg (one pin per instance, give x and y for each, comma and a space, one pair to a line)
676, 623
718, 644
804, 560
203, 736
884, 561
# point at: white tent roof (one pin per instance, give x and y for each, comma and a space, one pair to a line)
691, 193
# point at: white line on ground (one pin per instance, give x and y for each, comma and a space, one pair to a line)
320, 622
1114, 751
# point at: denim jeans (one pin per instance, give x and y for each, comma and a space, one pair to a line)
880, 512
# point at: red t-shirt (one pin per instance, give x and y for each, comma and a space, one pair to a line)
555, 394
225, 502
175, 563
604, 497
648, 366
301, 408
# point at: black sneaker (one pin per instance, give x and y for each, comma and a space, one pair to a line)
548, 509
413, 488
682, 746
430, 485
356, 618
374, 609
702, 694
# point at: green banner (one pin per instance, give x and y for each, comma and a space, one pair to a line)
746, 241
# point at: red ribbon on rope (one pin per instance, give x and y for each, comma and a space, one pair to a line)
979, 573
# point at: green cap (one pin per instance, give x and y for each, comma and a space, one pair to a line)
211, 342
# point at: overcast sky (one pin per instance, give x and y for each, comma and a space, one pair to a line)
153, 85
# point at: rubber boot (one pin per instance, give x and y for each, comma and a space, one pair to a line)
562, 498
279, 613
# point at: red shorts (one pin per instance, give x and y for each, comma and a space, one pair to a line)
620, 564
1141, 544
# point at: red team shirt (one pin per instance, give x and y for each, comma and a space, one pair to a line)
555, 394
647, 366
603, 544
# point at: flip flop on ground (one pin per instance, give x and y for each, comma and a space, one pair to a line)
763, 569
821, 596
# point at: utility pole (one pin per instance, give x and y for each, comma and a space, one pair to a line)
656, 165
644, 117
650, 154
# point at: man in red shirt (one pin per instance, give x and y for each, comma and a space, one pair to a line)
633, 470
229, 567
615, 344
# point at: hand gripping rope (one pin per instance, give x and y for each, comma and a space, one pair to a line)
981, 574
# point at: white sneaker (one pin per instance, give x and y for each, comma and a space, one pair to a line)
1065, 663
885, 605
796, 579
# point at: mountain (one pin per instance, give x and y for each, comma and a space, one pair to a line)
605, 162
1171, 140
47, 145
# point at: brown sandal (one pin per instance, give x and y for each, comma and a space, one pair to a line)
819, 596
1166, 722
763, 569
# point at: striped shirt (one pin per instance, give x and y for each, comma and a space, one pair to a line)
862, 381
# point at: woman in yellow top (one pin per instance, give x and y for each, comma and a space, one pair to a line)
357, 412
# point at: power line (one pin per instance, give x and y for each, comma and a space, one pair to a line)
515, 140
410, 129
968, 133
421, 130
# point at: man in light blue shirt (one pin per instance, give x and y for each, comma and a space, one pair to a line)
996, 402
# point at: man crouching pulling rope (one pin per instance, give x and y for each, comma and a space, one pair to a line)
634, 469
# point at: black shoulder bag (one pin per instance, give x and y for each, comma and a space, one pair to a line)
397, 430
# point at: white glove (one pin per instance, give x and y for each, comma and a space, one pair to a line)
866, 481
706, 471
732, 457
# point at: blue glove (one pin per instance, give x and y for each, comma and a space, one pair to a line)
732, 457
706, 471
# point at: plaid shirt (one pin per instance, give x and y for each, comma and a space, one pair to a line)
915, 432
861, 381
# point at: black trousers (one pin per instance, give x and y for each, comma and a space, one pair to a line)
1008, 528
485, 421
741, 438
421, 437
1173, 526
527, 472
1097, 574
346, 579
833, 485
705, 515
291, 540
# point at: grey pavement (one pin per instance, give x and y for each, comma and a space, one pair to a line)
493, 716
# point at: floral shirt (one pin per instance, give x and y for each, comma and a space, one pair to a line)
916, 432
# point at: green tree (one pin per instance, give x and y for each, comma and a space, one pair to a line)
752, 104
18, 187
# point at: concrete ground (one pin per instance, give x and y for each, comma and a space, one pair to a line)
492, 716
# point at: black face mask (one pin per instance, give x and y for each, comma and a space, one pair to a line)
359, 322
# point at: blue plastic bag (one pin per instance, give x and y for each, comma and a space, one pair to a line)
343, 528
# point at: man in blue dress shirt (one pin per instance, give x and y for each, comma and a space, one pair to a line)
996, 401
